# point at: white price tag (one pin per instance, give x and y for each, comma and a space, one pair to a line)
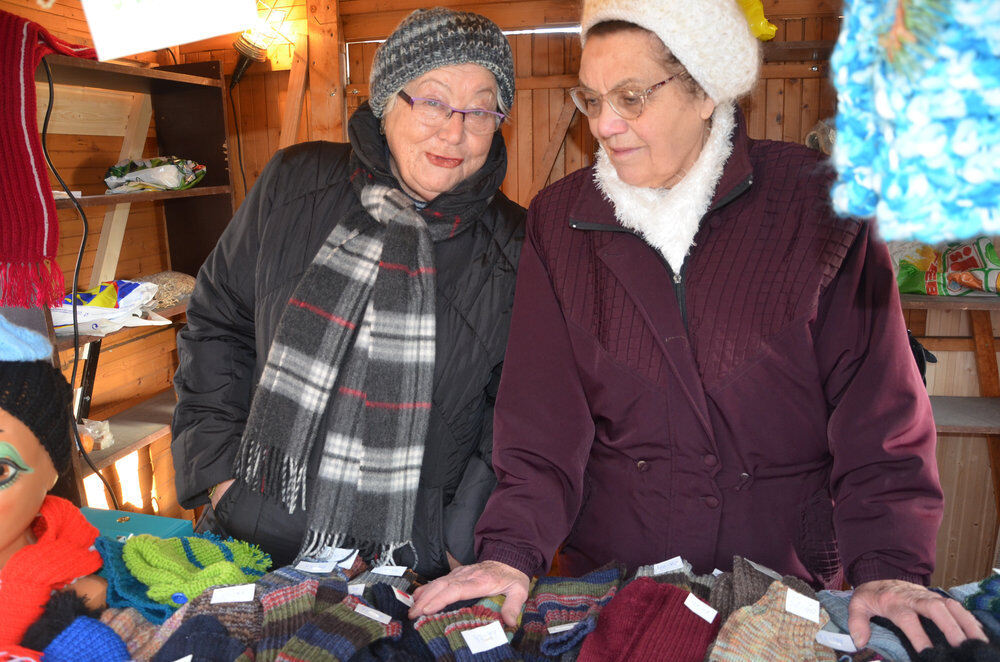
767, 571
403, 597
373, 614
355, 589
316, 567
345, 557
484, 638
239, 593
186, 658
716, 572
697, 606
390, 570
836, 640
565, 627
670, 565
800, 605
996, 571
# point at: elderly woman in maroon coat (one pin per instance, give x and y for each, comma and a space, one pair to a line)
704, 361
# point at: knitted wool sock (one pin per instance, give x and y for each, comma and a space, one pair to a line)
86, 640
162, 634
124, 590
132, 627
765, 631
203, 638
987, 597
242, 620
442, 633
409, 647
882, 641
336, 633
190, 564
286, 609
745, 585
687, 582
368, 578
649, 621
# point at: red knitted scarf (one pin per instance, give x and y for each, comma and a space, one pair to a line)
63, 553
29, 229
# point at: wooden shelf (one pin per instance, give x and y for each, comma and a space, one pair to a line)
968, 302
966, 415
67, 70
171, 313
109, 200
133, 429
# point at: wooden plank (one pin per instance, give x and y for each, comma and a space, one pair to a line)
135, 428
967, 302
326, 78
775, 105
295, 94
798, 50
794, 70
780, 9
557, 97
965, 415
83, 111
550, 82
541, 174
68, 70
143, 196
539, 107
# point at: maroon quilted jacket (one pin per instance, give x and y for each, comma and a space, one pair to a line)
764, 402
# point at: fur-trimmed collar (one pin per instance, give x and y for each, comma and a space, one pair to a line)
668, 219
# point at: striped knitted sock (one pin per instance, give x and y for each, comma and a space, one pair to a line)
131, 626
442, 633
368, 578
337, 632
409, 647
987, 598
203, 638
243, 620
286, 609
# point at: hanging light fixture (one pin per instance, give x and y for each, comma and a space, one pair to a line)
252, 44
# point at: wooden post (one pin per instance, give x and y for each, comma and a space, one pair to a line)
296, 92
989, 385
326, 77
552, 150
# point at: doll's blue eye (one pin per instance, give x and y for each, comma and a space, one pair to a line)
9, 472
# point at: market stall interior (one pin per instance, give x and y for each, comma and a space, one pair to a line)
121, 176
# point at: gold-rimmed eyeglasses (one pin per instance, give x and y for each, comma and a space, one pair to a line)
435, 113
627, 102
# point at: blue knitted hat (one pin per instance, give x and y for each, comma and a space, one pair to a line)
86, 640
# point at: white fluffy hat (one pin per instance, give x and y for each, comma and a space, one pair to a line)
711, 38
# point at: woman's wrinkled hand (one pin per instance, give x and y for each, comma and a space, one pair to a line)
474, 581
904, 603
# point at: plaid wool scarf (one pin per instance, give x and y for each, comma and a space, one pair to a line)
351, 367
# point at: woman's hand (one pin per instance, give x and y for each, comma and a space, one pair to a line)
218, 491
474, 581
903, 603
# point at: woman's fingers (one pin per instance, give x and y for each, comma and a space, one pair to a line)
474, 581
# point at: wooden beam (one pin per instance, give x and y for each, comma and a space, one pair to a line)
543, 168
109, 247
554, 82
797, 51
326, 73
296, 93
802, 8
989, 386
784, 70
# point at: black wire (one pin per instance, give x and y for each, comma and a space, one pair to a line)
76, 278
239, 145
172, 56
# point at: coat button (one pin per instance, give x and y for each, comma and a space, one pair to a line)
710, 460
711, 502
642, 465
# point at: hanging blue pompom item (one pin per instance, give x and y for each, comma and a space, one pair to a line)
918, 117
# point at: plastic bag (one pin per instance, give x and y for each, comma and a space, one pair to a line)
108, 307
160, 173
957, 268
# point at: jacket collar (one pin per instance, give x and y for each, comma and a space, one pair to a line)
592, 207
370, 148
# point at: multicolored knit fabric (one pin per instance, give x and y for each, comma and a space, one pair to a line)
987, 598
562, 601
745, 585
649, 621
133, 628
368, 578
881, 640
124, 590
286, 609
188, 565
442, 633
242, 620
160, 637
765, 631
205, 639
409, 647
86, 640
336, 632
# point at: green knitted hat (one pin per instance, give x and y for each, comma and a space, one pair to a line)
177, 570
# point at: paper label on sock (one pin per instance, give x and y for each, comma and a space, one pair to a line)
239, 593
485, 638
800, 605
373, 614
390, 570
670, 565
697, 606
186, 658
836, 640
565, 627
767, 571
716, 572
355, 589
316, 567
996, 571
403, 597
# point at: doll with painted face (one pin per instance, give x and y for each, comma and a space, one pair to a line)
46, 545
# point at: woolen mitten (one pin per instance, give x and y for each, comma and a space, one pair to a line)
649, 621
187, 565
442, 632
336, 632
765, 631
203, 638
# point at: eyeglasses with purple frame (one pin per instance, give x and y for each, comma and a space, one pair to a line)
436, 113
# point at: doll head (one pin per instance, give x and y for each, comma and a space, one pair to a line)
35, 444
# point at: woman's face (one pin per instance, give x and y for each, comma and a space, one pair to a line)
427, 160
26, 475
657, 148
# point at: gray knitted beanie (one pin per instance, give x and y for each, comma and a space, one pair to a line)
438, 37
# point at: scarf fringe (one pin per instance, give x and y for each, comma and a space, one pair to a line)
31, 284
316, 541
277, 475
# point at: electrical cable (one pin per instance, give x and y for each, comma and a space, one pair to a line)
172, 56
76, 277
239, 145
